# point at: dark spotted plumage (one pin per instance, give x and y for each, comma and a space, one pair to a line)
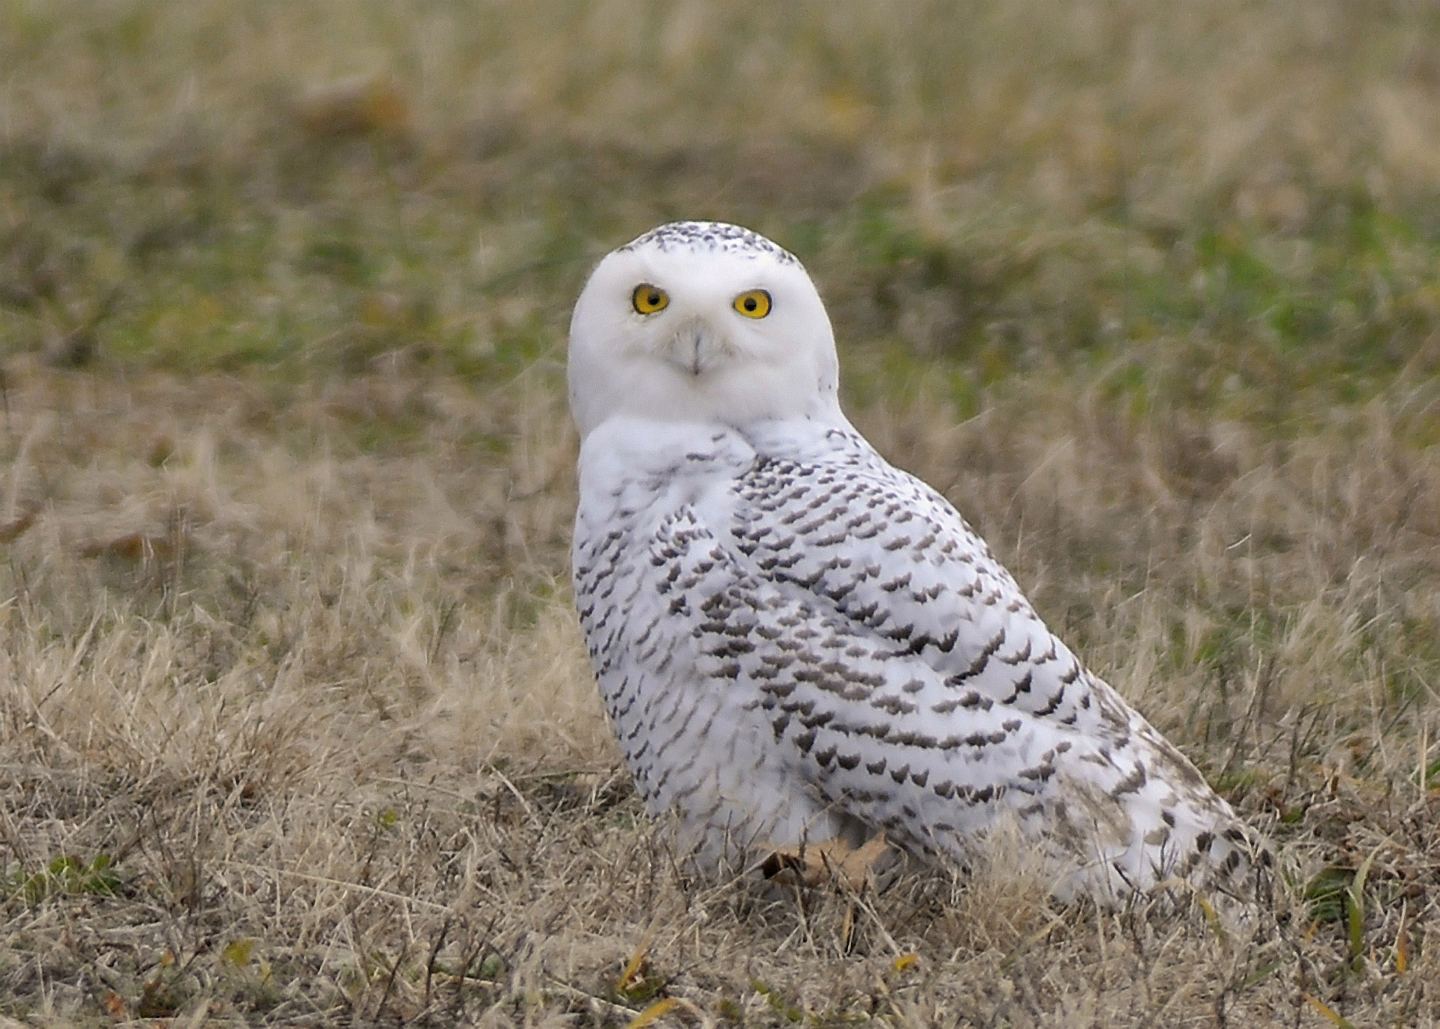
796, 640
712, 237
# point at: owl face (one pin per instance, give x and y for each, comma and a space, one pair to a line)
700, 322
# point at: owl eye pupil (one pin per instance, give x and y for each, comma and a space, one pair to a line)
652, 299
749, 303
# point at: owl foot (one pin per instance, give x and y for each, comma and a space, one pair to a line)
828, 861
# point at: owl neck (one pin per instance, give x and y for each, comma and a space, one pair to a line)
650, 452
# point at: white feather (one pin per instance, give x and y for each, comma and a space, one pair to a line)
796, 640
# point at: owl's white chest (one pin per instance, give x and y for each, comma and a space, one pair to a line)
698, 744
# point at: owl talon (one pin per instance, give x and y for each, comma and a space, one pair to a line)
814, 864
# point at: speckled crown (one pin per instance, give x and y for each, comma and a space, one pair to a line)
716, 237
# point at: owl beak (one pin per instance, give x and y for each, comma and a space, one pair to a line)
694, 348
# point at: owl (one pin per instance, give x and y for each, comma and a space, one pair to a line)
806, 653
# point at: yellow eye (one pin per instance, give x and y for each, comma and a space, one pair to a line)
648, 299
753, 303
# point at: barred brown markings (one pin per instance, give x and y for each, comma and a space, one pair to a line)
900, 774
866, 614
1040, 773
817, 523
1053, 705
921, 778
827, 756
894, 705
1023, 686
981, 660
848, 761
680, 795
678, 731
975, 739
1203, 841
1100, 757
772, 665
875, 767
1019, 657
899, 633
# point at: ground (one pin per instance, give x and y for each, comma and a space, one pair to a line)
295, 724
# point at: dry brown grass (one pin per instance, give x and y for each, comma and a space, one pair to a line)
295, 725
344, 766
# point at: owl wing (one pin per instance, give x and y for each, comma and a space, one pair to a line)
916, 689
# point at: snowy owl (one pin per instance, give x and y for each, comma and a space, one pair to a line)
804, 650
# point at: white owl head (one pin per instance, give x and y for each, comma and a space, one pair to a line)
701, 322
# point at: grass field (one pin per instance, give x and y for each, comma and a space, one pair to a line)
295, 724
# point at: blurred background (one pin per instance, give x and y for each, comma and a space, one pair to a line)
1056, 239
1191, 201
1151, 291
